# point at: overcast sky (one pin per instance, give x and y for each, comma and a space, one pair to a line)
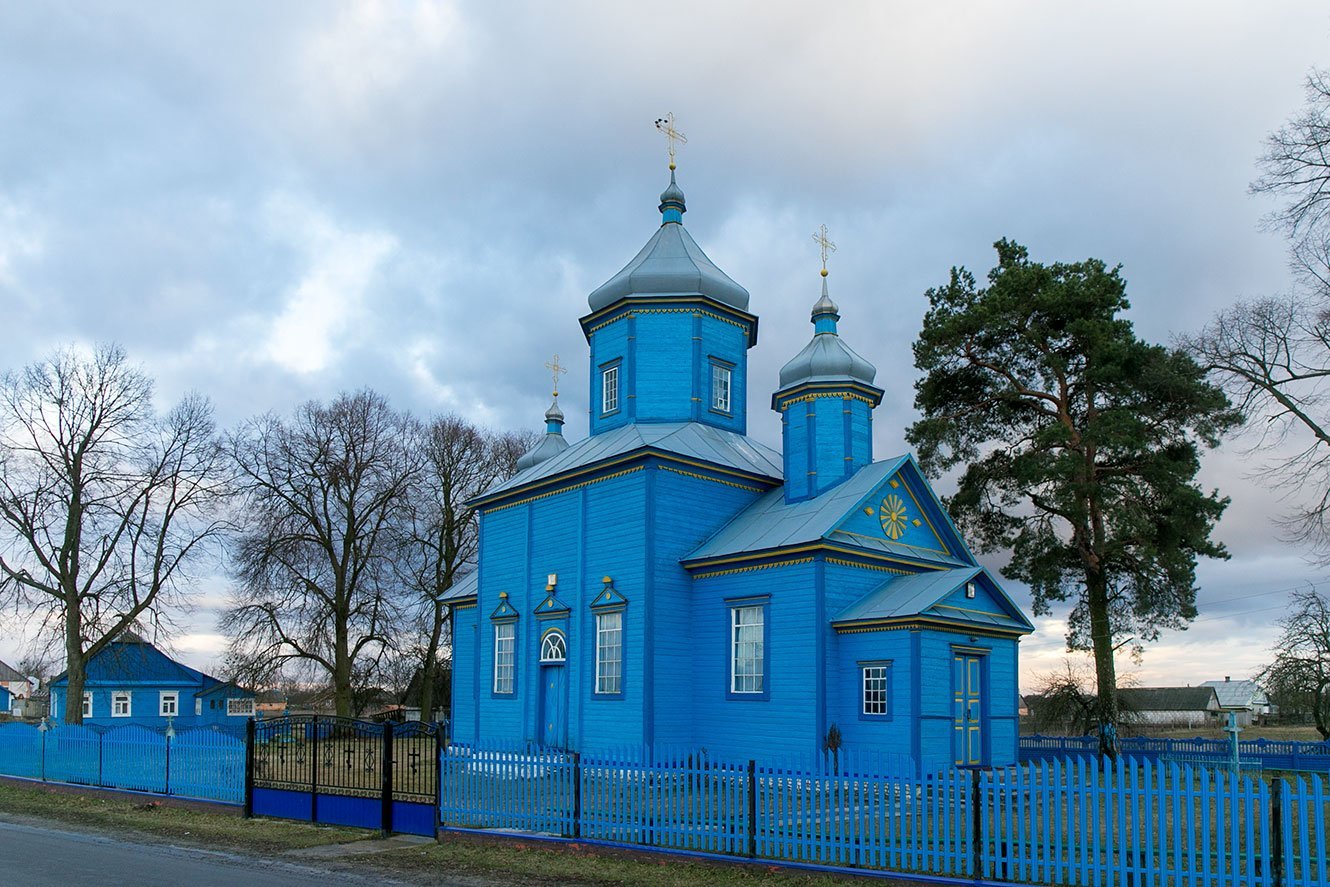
275, 202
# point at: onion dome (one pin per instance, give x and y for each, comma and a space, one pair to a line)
671, 264
826, 358
552, 444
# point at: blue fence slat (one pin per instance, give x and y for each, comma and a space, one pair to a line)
133, 758
209, 765
21, 751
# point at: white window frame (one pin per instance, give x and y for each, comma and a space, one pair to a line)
172, 696
505, 658
240, 708
87, 703
744, 620
198, 706
553, 647
875, 690
609, 653
118, 696
721, 377
609, 389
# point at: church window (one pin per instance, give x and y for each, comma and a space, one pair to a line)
720, 387
609, 652
609, 389
170, 704
747, 649
121, 704
875, 686
505, 653
553, 648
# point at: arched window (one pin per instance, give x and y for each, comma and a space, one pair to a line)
553, 648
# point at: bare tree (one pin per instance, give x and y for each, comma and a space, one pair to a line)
1063, 701
460, 461
103, 502
1300, 672
322, 495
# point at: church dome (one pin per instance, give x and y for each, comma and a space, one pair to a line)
671, 264
827, 358
551, 445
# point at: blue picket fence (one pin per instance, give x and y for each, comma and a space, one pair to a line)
199, 762
1073, 821
1269, 754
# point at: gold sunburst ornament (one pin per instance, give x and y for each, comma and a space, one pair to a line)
892, 515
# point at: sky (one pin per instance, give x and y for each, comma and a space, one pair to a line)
269, 203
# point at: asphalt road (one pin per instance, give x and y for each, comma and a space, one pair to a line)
36, 855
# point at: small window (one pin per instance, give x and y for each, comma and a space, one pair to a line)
198, 706
609, 653
87, 705
169, 704
969, 589
747, 643
875, 689
505, 652
553, 648
720, 388
609, 389
121, 704
240, 708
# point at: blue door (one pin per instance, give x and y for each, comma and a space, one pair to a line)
968, 708
554, 705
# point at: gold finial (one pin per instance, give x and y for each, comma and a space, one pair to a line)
820, 238
556, 370
666, 125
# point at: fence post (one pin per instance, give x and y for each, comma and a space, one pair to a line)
577, 794
44, 731
976, 823
386, 825
249, 767
1277, 831
169, 733
752, 808
439, 743
313, 770
101, 738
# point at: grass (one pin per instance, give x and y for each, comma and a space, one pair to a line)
149, 817
532, 863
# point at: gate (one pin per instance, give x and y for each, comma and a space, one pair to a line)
341, 771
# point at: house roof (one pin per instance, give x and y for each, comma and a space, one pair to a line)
223, 687
1167, 698
131, 658
773, 523
925, 594
1238, 694
692, 440
467, 586
8, 674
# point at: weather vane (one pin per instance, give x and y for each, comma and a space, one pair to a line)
556, 370
666, 125
827, 247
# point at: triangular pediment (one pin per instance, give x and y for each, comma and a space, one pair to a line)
902, 510
504, 610
551, 607
608, 597
967, 596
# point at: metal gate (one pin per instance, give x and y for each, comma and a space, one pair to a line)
342, 771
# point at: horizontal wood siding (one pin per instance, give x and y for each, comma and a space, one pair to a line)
462, 718
845, 691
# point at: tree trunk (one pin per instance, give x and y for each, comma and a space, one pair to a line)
341, 675
1320, 714
1106, 679
429, 668
75, 666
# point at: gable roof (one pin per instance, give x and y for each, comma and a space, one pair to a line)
130, 658
771, 523
925, 594
224, 687
8, 674
1238, 694
1167, 698
692, 440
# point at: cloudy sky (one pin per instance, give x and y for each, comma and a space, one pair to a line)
275, 202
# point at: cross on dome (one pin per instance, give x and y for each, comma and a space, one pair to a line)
672, 135
556, 370
827, 247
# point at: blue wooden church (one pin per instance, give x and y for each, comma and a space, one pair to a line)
669, 581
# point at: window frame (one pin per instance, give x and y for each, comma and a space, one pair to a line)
198, 706
717, 367
762, 605
162, 697
87, 703
125, 696
510, 625
886, 666
608, 372
546, 640
248, 713
600, 661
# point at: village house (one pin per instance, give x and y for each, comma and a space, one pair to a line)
1245, 700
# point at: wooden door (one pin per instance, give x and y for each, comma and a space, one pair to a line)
968, 706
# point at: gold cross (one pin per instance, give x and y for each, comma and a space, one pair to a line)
556, 370
820, 238
666, 125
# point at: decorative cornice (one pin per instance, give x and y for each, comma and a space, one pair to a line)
875, 567
565, 489
728, 483
899, 623
631, 306
749, 569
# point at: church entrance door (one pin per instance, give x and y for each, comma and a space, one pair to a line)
968, 705
554, 705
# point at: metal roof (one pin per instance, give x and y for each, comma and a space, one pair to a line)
131, 658
8, 674
922, 594
1238, 694
1166, 698
467, 586
702, 443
